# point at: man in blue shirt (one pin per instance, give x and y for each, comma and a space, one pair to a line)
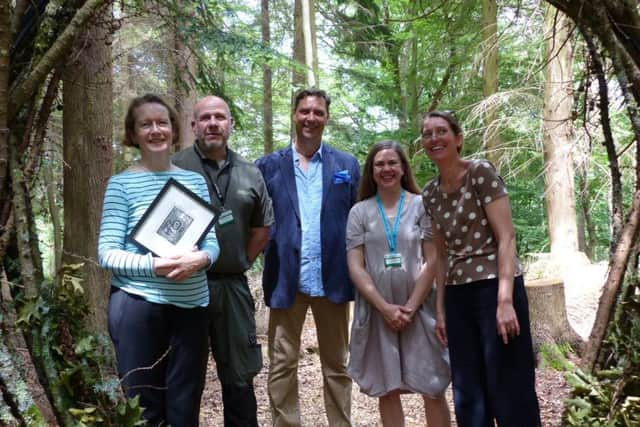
312, 187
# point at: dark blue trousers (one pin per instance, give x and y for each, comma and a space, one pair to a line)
491, 380
169, 387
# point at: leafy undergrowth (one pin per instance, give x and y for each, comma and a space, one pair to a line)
611, 396
75, 364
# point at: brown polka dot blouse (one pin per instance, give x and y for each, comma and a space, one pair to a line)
460, 218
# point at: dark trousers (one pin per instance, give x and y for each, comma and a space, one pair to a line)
238, 355
491, 380
162, 356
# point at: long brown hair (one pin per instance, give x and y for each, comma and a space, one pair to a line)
368, 187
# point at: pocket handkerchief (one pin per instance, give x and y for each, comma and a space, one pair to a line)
341, 177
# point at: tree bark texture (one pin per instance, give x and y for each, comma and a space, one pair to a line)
267, 79
310, 42
490, 79
617, 268
54, 213
5, 45
558, 134
19, 380
26, 88
20, 407
87, 129
28, 274
184, 78
298, 74
548, 314
185, 89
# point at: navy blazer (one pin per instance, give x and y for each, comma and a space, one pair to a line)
281, 275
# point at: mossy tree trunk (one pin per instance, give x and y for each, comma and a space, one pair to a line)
88, 153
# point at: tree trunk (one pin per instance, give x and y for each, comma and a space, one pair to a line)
267, 85
586, 228
298, 75
184, 79
54, 211
5, 46
87, 161
185, 90
26, 88
557, 138
28, 271
310, 42
412, 90
548, 314
490, 79
19, 378
393, 49
15, 393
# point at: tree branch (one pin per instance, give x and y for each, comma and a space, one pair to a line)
609, 143
617, 269
21, 91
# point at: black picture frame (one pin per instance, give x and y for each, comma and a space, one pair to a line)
175, 221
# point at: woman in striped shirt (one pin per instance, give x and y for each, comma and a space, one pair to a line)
158, 305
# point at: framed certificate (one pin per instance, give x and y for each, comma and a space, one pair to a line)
176, 221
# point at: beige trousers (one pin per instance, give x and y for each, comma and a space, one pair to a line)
285, 329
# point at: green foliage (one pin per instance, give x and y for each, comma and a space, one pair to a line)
528, 211
598, 401
82, 388
555, 356
611, 397
126, 413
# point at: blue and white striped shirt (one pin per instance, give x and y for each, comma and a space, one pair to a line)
126, 199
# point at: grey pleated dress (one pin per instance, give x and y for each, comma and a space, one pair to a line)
382, 360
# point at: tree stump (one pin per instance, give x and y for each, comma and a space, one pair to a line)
548, 315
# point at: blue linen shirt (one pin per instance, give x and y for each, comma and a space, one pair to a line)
309, 189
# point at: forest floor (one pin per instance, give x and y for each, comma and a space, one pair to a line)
582, 290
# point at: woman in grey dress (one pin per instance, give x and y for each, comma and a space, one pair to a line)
393, 347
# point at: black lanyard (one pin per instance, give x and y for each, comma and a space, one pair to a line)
219, 195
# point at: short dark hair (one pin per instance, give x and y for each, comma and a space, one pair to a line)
303, 93
448, 116
368, 187
130, 118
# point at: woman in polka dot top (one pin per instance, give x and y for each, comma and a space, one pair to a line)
482, 314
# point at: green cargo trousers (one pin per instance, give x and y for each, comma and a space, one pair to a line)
238, 355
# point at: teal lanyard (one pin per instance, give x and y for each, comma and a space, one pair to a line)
391, 234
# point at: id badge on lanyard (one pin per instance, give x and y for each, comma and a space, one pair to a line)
225, 218
392, 259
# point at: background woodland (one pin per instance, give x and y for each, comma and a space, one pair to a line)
547, 90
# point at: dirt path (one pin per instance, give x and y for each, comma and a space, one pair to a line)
582, 291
